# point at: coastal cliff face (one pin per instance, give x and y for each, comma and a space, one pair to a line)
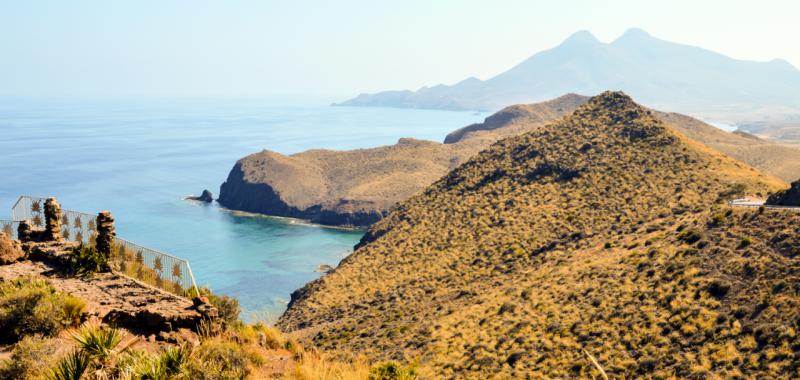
359, 187
347, 188
237, 193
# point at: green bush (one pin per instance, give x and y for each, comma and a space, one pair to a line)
29, 359
745, 242
85, 261
228, 307
392, 371
29, 307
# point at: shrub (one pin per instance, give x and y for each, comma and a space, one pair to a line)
29, 359
169, 364
228, 307
85, 261
221, 359
29, 307
74, 308
392, 371
690, 236
315, 365
745, 243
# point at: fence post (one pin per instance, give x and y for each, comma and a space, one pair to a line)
52, 219
105, 233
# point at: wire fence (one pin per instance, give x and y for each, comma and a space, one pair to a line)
152, 267
147, 265
9, 227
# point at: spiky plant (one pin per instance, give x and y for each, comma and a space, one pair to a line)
71, 367
173, 360
98, 343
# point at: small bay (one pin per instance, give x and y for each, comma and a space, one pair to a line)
140, 158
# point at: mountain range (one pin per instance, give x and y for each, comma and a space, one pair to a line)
658, 73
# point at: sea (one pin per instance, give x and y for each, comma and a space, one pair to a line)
140, 158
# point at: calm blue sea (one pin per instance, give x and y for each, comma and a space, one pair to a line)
140, 158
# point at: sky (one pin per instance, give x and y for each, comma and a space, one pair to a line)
102, 48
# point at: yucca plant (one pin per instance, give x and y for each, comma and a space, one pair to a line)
97, 342
71, 367
172, 361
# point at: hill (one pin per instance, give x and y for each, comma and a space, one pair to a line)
658, 73
604, 232
359, 187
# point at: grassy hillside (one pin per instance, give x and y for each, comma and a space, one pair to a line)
357, 187
603, 232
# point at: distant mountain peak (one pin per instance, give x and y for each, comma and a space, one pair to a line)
655, 71
581, 37
634, 34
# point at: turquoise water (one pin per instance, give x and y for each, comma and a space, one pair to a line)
140, 158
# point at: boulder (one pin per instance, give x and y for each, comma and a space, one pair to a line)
787, 197
206, 197
10, 250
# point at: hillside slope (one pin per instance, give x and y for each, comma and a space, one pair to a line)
659, 73
358, 187
591, 233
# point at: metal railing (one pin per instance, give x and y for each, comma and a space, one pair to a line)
149, 266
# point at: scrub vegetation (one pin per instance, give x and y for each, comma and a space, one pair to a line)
603, 237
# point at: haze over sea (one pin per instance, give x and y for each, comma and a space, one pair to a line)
140, 158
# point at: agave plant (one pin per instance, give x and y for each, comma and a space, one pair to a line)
71, 367
97, 342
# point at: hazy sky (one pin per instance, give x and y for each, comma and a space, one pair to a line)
339, 48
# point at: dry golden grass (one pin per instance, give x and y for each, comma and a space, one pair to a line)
601, 233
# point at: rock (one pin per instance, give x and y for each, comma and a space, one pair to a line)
25, 231
52, 219
324, 268
10, 250
200, 300
105, 232
205, 308
787, 197
206, 197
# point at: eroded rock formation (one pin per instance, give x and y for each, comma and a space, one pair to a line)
10, 250
787, 197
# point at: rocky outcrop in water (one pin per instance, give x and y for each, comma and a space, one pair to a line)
206, 197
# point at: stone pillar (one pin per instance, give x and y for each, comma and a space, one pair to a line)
105, 233
24, 231
52, 219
